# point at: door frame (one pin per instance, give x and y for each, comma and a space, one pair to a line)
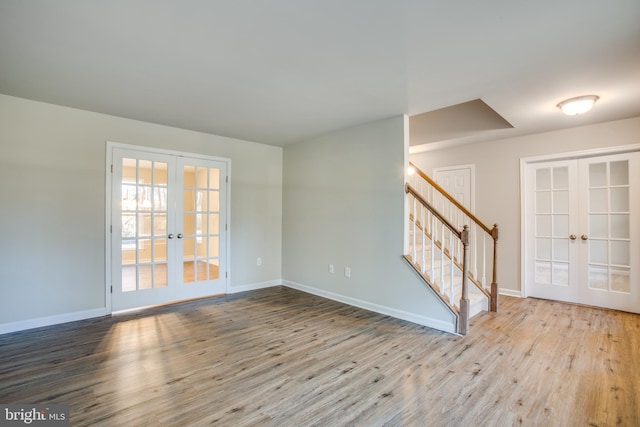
109, 146
524, 162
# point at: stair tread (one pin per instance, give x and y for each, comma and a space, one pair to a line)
477, 300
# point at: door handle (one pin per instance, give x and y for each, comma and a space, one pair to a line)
170, 236
573, 237
584, 237
179, 235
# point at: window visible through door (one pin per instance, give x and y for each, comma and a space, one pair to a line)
168, 221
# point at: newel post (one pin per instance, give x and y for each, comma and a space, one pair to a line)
463, 325
494, 282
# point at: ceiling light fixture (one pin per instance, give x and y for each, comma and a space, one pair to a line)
579, 105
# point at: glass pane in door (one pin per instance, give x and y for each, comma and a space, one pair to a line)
609, 226
201, 207
552, 226
143, 220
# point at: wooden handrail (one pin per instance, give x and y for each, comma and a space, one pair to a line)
454, 201
410, 190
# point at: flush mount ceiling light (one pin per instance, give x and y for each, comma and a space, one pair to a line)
579, 105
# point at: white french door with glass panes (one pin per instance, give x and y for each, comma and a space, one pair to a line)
168, 228
201, 223
581, 231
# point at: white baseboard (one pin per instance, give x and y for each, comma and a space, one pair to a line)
254, 286
438, 324
23, 325
510, 293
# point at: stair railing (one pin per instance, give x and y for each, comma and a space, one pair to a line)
439, 252
483, 240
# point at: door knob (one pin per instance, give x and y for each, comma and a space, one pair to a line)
170, 236
573, 237
179, 235
584, 237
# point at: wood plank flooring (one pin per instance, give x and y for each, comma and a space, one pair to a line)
280, 357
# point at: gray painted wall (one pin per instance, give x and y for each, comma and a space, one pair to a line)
52, 204
498, 177
344, 204
340, 202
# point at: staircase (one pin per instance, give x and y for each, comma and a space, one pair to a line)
451, 250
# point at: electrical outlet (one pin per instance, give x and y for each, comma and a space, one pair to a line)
347, 272
330, 268
259, 261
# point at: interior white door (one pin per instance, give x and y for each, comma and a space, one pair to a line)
551, 246
142, 221
609, 234
457, 181
201, 239
168, 228
581, 231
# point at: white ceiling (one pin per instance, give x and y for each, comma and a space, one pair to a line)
282, 71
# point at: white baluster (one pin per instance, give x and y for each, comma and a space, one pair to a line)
424, 236
442, 257
433, 247
474, 248
451, 267
413, 238
484, 260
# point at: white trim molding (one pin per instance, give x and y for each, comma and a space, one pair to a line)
376, 308
510, 293
253, 286
57, 319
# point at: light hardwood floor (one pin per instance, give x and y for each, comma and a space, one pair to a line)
279, 357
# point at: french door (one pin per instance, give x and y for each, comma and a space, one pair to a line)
168, 231
581, 231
